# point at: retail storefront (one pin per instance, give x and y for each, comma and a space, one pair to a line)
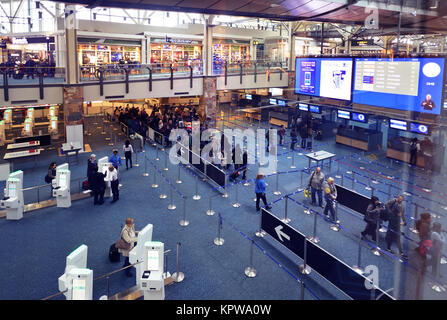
109, 52
21, 49
230, 50
170, 50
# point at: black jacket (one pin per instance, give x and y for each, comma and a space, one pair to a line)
97, 181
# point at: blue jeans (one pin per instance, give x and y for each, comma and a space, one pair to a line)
320, 196
330, 207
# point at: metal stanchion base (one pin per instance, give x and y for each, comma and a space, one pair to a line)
358, 269
225, 195
437, 287
292, 167
307, 211
414, 230
338, 176
314, 239
178, 277
163, 196
335, 227
204, 179
300, 154
382, 230
110, 144
236, 205
362, 168
219, 241
154, 185
250, 272
288, 157
178, 181
368, 188
375, 252
300, 189
305, 269
165, 169
107, 139
375, 182
166, 275
443, 261
246, 184
136, 164
349, 172
406, 194
277, 193
172, 207
145, 174
196, 197
286, 220
210, 212
183, 223
260, 234
157, 159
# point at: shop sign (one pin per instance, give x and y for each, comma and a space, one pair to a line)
19, 41
179, 41
362, 43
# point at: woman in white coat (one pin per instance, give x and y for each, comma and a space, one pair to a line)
128, 234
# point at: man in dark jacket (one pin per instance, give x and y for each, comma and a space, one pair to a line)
395, 212
98, 186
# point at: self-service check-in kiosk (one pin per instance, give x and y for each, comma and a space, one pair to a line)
52, 128
152, 282
27, 130
53, 112
7, 117
77, 280
13, 196
30, 113
137, 254
61, 186
2, 133
103, 166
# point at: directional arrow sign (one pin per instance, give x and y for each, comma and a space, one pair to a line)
279, 233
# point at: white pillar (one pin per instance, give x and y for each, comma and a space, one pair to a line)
71, 26
207, 54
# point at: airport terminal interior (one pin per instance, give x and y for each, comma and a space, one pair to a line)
223, 150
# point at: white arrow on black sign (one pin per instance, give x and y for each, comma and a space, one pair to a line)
280, 233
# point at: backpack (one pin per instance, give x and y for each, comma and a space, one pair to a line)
425, 247
47, 179
114, 255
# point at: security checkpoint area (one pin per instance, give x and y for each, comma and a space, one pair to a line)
223, 151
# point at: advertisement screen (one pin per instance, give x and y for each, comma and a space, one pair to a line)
303, 107
411, 84
419, 128
276, 91
360, 117
344, 114
272, 101
314, 109
324, 77
282, 103
248, 97
398, 124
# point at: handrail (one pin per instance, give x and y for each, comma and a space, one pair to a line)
49, 184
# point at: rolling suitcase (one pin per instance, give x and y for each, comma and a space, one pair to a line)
114, 255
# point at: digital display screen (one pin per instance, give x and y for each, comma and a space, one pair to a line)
152, 260
360, 117
282, 103
314, 109
30, 113
344, 114
52, 112
62, 180
410, 84
272, 101
27, 127
6, 115
53, 124
419, 128
12, 190
276, 91
248, 97
398, 124
79, 289
324, 77
303, 107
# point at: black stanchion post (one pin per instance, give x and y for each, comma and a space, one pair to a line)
260, 233
293, 161
136, 164
155, 185
163, 195
166, 162
353, 180
376, 251
277, 192
145, 173
178, 181
236, 204
415, 218
314, 237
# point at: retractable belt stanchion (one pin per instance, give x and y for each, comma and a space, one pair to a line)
357, 267
196, 195
184, 222
376, 251
210, 211
171, 205
389, 189
178, 181
156, 153
219, 240
166, 273
155, 185
304, 268
166, 162
145, 173
293, 161
286, 219
277, 192
177, 275
314, 237
250, 271
415, 218
136, 164
338, 176
353, 180
302, 289
342, 179
300, 188
236, 204
260, 233
163, 195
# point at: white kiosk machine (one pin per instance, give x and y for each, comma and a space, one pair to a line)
103, 166
152, 282
30, 114
77, 279
52, 128
7, 116
27, 130
2, 133
138, 252
53, 111
61, 186
13, 196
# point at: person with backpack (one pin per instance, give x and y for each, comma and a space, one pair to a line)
51, 173
98, 186
315, 184
372, 217
414, 149
395, 213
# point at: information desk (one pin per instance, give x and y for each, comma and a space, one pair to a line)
399, 148
21, 154
279, 119
253, 114
70, 150
319, 156
363, 139
23, 145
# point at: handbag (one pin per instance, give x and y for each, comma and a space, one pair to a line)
121, 244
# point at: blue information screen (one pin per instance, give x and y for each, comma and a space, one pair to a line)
360, 117
248, 96
324, 77
419, 128
411, 84
303, 107
314, 109
281, 102
398, 124
344, 114
272, 101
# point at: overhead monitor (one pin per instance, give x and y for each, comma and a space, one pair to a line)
344, 114
276, 91
359, 117
419, 128
281, 102
303, 107
398, 124
314, 109
153, 260
248, 97
410, 84
272, 101
324, 77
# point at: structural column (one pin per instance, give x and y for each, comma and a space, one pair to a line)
71, 26
207, 50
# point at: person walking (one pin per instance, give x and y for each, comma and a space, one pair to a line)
372, 217
395, 212
330, 195
115, 159
260, 191
98, 186
293, 138
112, 176
304, 134
414, 149
315, 184
128, 151
129, 235
91, 165
281, 133
438, 240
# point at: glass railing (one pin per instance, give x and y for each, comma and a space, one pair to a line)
31, 75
